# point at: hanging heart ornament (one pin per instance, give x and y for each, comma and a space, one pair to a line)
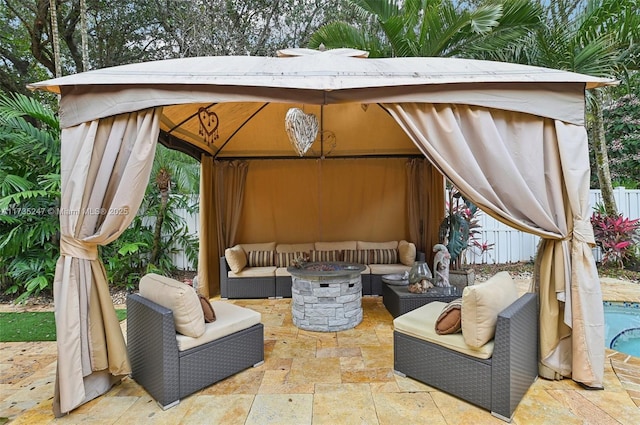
301, 128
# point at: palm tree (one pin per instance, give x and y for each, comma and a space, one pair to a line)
600, 39
431, 27
175, 173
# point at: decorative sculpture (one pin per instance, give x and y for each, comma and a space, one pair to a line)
208, 125
301, 128
441, 265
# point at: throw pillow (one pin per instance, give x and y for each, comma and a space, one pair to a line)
481, 304
236, 258
450, 320
360, 256
260, 258
334, 255
178, 297
285, 259
407, 252
383, 256
207, 309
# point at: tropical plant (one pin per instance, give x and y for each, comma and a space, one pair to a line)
622, 118
29, 196
431, 27
459, 228
617, 236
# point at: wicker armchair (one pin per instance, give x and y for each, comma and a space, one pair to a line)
169, 374
497, 383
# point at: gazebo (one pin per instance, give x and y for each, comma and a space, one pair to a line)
510, 137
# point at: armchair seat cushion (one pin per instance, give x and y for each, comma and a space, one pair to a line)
420, 323
230, 318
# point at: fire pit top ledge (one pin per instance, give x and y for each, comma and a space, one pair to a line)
326, 269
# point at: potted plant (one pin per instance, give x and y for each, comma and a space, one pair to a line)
457, 232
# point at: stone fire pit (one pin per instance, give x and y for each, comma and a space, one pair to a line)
326, 297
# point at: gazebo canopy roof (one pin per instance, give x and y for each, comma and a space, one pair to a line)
248, 96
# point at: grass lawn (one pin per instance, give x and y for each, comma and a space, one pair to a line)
33, 326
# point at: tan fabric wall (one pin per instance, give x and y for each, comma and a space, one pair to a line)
291, 201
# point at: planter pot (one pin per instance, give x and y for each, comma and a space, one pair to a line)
461, 278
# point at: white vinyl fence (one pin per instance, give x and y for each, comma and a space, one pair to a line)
510, 245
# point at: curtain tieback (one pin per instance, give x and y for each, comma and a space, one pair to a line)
72, 247
583, 231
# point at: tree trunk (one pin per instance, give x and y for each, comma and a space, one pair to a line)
55, 37
602, 157
84, 35
157, 234
163, 181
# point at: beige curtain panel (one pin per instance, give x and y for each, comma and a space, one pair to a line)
105, 170
493, 157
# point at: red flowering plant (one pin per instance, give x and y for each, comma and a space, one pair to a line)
617, 236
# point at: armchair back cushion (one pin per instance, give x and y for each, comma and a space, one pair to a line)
178, 297
481, 304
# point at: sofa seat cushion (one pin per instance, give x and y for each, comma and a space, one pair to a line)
254, 272
230, 318
382, 269
178, 297
295, 247
420, 323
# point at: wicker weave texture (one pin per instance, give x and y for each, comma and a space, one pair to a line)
466, 377
496, 384
516, 359
283, 286
399, 301
168, 374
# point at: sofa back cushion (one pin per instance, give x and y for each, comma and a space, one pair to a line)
481, 304
265, 246
407, 252
377, 245
334, 246
178, 297
236, 258
295, 247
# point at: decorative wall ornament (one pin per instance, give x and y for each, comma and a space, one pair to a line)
208, 125
301, 128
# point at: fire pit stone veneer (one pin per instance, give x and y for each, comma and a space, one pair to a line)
326, 297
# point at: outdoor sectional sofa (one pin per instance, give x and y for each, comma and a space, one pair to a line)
490, 358
260, 270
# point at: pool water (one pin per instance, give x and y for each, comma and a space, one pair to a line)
622, 327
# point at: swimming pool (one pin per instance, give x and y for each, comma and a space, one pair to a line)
622, 327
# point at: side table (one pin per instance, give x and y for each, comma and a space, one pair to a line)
398, 300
